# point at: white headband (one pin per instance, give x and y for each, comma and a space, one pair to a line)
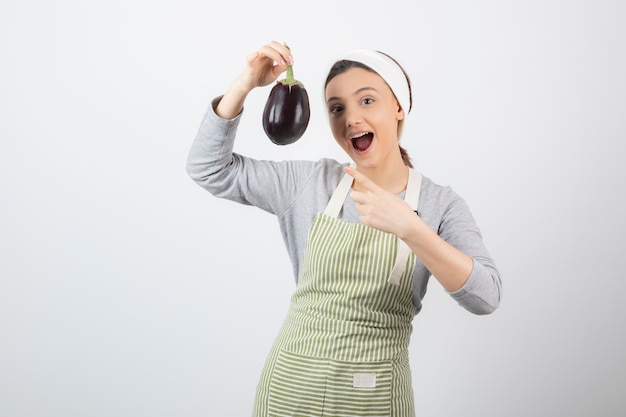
388, 70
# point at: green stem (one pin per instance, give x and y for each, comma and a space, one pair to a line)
289, 77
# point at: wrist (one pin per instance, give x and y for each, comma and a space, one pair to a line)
232, 101
413, 227
241, 86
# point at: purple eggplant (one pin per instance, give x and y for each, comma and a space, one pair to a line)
287, 111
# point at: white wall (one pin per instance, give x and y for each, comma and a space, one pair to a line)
127, 290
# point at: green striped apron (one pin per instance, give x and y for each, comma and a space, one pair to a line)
343, 348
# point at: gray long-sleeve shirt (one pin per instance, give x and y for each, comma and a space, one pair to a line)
295, 191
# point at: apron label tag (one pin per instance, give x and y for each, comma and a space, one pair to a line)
364, 380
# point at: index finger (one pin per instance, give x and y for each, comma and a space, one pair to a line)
277, 51
360, 178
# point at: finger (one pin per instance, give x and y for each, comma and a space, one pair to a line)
358, 197
361, 179
283, 50
277, 52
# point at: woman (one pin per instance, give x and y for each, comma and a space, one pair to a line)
363, 237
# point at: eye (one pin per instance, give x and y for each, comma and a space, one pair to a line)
335, 109
367, 100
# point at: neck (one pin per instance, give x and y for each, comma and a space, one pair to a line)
392, 178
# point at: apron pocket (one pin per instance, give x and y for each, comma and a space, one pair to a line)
359, 389
297, 386
305, 386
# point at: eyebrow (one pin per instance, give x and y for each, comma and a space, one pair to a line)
359, 91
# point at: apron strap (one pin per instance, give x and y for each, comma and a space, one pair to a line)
413, 187
339, 196
411, 197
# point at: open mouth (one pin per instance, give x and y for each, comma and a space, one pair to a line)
362, 141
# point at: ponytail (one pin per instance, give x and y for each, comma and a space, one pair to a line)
405, 157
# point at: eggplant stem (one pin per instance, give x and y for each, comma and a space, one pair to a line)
289, 77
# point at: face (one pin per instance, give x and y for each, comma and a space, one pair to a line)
364, 115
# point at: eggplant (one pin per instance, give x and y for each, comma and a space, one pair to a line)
287, 110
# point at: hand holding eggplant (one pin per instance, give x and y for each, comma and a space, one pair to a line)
262, 67
287, 110
266, 64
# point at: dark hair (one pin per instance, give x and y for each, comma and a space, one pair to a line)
344, 65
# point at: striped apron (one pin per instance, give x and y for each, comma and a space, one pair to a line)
343, 348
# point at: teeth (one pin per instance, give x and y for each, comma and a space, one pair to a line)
359, 135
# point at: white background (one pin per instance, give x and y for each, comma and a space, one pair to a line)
127, 290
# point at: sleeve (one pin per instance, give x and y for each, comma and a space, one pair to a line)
482, 292
213, 165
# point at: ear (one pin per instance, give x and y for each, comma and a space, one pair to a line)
399, 113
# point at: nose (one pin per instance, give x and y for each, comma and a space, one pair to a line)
352, 116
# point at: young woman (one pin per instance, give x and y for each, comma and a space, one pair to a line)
364, 237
